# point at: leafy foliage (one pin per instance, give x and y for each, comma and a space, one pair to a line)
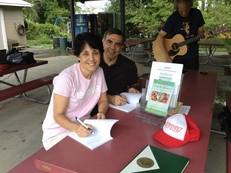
47, 19
216, 16
149, 17
146, 16
45, 11
142, 17
38, 31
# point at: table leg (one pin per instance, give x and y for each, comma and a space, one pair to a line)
212, 50
207, 56
39, 101
144, 53
24, 94
133, 52
130, 50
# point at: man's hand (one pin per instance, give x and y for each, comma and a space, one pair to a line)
117, 100
133, 90
208, 34
168, 59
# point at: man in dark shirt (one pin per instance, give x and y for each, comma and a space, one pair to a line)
120, 72
188, 22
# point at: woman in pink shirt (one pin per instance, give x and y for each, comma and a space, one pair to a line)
77, 89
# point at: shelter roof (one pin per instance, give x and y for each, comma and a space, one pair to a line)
15, 3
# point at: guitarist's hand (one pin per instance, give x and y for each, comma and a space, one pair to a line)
168, 59
207, 34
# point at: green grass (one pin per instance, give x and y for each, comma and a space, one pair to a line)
219, 49
47, 44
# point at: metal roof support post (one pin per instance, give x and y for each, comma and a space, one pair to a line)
122, 16
72, 12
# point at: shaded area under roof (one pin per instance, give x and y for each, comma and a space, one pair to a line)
72, 13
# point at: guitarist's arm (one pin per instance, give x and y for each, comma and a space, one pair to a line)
207, 34
160, 40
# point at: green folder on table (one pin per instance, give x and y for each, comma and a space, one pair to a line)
155, 160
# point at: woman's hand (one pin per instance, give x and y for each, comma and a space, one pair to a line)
101, 115
83, 131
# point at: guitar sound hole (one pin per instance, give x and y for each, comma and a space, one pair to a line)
174, 51
175, 47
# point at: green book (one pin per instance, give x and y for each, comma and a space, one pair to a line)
159, 97
155, 160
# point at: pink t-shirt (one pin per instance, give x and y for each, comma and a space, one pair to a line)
83, 95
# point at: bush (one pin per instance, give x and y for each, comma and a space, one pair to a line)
42, 31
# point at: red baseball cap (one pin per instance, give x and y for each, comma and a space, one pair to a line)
178, 130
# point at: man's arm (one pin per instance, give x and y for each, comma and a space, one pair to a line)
135, 88
160, 39
207, 34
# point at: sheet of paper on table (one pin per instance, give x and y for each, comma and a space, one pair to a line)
184, 109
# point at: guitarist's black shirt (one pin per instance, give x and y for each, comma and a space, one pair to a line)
186, 26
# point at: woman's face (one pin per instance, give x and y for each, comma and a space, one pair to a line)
89, 60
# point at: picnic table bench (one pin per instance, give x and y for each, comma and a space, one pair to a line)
24, 86
28, 86
132, 45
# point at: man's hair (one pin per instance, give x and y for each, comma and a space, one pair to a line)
114, 31
92, 40
188, 2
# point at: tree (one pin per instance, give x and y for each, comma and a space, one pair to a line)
149, 17
47, 11
146, 16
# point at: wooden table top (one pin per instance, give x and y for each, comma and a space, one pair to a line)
17, 67
212, 42
136, 41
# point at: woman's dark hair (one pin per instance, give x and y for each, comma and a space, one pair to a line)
92, 40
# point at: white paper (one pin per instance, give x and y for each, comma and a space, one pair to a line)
132, 98
166, 71
102, 133
184, 109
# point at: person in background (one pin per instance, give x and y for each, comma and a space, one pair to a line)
77, 89
189, 22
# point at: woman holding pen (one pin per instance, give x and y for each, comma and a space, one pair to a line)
77, 89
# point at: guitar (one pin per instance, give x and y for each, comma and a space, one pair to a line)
178, 45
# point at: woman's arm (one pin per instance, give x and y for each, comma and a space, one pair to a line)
102, 106
60, 106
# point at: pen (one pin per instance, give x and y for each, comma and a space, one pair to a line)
77, 119
120, 96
